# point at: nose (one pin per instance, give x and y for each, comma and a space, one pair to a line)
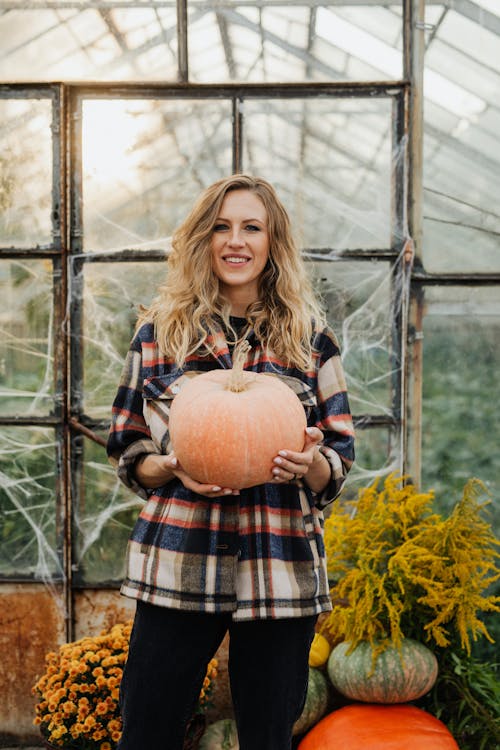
236, 238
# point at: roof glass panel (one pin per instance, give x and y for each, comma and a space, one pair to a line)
65, 41
280, 42
490, 5
461, 144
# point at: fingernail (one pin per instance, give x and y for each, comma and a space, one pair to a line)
216, 489
173, 462
276, 472
282, 453
278, 461
228, 492
310, 430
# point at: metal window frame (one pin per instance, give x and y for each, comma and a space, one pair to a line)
68, 256
70, 423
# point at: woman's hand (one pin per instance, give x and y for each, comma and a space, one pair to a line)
309, 464
154, 470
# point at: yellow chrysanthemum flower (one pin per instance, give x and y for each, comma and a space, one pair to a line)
78, 694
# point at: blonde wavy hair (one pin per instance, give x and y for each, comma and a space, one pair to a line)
190, 302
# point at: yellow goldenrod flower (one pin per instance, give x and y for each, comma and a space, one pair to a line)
401, 570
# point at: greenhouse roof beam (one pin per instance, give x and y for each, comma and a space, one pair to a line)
110, 4
266, 35
473, 12
226, 44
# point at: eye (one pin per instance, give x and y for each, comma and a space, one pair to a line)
220, 227
252, 228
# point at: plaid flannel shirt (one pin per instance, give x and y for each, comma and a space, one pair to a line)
259, 554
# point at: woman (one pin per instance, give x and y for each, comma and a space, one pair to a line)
205, 559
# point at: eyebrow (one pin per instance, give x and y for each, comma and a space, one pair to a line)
245, 221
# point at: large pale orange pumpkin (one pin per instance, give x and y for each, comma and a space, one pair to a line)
226, 426
379, 727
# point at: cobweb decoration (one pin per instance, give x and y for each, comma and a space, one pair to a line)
363, 298
29, 518
30, 456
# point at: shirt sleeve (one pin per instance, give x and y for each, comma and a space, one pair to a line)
129, 435
333, 417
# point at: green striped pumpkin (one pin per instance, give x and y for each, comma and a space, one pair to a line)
316, 702
398, 676
221, 735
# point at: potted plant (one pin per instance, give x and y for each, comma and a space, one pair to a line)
405, 577
77, 696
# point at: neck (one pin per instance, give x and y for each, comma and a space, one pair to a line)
239, 301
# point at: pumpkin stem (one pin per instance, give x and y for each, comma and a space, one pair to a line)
236, 382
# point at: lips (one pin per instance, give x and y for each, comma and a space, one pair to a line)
236, 260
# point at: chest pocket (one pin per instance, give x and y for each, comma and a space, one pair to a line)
304, 392
158, 392
161, 387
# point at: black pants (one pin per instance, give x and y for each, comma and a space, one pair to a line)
168, 657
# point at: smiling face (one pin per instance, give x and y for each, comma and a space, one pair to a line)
240, 248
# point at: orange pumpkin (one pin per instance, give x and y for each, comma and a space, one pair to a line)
226, 426
379, 727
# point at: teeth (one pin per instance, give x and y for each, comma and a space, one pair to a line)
235, 260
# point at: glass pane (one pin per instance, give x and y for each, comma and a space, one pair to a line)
462, 149
329, 159
145, 162
25, 172
235, 41
28, 464
377, 453
357, 298
112, 295
26, 343
104, 517
461, 429
71, 42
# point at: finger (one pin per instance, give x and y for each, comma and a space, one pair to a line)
286, 471
170, 461
293, 463
280, 479
213, 490
313, 436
